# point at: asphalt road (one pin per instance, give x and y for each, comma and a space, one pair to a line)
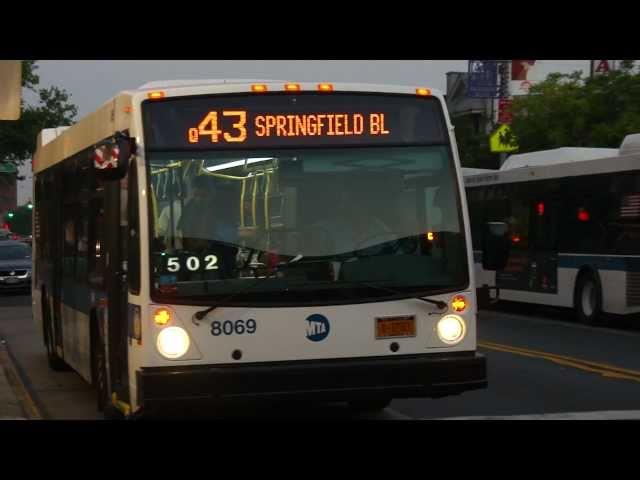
540, 363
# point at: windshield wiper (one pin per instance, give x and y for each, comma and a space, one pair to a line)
438, 303
203, 313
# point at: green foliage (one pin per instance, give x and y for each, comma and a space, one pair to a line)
18, 138
473, 146
29, 77
568, 110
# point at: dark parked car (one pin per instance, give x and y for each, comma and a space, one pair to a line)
15, 265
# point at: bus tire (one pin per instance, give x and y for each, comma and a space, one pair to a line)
588, 298
56, 363
369, 404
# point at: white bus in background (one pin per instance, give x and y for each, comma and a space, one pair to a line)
227, 241
574, 225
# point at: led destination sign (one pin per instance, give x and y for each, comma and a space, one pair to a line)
292, 120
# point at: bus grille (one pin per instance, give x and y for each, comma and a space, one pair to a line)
633, 289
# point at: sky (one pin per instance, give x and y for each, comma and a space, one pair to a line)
92, 82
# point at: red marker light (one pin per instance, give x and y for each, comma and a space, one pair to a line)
583, 215
540, 209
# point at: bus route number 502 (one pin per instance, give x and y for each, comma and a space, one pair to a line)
192, 263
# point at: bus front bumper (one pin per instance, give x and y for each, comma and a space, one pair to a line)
434, 375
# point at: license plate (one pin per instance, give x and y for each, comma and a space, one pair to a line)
11, 280
396, 327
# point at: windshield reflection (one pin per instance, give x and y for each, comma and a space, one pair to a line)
306, 222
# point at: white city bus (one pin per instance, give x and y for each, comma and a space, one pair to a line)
224, 241
574, 219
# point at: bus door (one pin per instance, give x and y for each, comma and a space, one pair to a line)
57, 243
513, 205
114, 243
544, 244
533, 222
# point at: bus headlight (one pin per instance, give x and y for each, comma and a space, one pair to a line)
451, 329
173, 342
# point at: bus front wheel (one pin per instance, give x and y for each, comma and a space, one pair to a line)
588, 299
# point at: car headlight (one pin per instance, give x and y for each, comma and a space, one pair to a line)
451, 329
173, 342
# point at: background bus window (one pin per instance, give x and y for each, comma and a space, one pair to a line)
624, 228
585, 215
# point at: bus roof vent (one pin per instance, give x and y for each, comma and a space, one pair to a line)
630, 144
49, 134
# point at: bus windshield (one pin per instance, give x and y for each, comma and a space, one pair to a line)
302, 199
306, 223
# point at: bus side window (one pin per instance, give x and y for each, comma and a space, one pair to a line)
585, 216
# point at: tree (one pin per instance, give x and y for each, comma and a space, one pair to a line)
473, 143
568, 110
18, 138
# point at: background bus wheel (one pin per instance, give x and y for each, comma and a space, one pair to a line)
369, 404
588, 299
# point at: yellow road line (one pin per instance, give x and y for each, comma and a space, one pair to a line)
27, 403
603, 369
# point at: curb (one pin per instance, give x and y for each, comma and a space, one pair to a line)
10, 375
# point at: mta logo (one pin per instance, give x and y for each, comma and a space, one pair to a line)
317, 328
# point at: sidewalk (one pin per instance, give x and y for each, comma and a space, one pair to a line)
10, 388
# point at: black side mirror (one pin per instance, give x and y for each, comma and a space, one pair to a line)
495, 245
111, 158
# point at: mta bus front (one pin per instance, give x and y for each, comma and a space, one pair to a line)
305, 245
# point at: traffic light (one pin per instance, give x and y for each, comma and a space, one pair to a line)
30, 206
10, 215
